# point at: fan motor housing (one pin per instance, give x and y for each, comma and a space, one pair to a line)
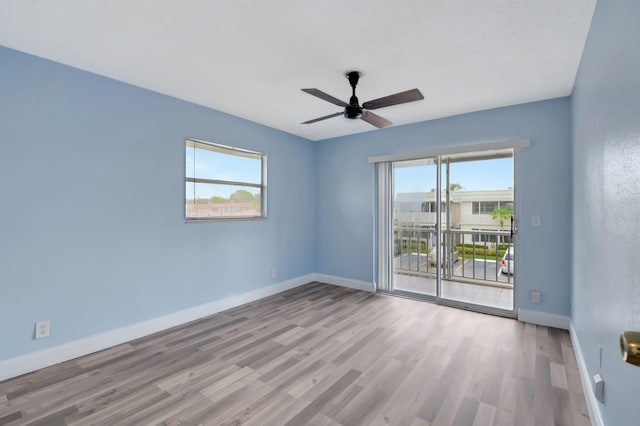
353, 112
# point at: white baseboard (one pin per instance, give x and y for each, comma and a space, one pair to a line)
592, 403
17, 366
345, 282
544, 318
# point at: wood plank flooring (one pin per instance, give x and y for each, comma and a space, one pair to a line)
316, 355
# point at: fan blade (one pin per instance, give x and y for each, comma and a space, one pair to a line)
323, 118
320, 94
375, 119
398, 98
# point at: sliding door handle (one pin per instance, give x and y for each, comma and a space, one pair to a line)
514, 226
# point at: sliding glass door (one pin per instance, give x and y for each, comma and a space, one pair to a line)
453, 230
415, 222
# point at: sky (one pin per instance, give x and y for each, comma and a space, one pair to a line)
472, 175
215, 165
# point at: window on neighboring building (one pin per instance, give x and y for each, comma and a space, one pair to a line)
223, 182
479, 237
484, 207
430, 207
506, 205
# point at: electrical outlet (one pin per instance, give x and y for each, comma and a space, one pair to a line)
273, 273
42, 329
535, 296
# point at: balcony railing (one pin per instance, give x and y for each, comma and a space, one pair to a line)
476, 256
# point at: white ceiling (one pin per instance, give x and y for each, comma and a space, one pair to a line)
251, 58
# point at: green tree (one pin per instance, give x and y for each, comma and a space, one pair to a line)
502, 215
216, 199
242, 196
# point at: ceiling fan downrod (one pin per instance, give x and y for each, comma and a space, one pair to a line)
353, 110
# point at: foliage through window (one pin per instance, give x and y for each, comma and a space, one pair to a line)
223, 182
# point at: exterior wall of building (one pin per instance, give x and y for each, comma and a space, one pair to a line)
221, 209
409, 209
409, 215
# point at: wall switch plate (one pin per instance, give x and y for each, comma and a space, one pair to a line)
42, 329
535, 221
535, 296
273, 273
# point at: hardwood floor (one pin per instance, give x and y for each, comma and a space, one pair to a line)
316, 355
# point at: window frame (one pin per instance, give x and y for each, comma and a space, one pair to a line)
227, 150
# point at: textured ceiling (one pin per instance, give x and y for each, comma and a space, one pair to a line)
251, 58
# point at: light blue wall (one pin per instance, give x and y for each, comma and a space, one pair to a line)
346, 193
93, 236
606, 201
92, 232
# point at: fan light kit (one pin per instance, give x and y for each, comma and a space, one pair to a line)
353, 110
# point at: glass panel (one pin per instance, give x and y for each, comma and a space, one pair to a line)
414, 218
237, 173
205, 200
189, 160
476, 249
481, 205
216, 165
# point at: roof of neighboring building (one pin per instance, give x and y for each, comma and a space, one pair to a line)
459, 196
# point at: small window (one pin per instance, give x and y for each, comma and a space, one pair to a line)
506, 205
479, 237
224, 182
430, 207
484, 207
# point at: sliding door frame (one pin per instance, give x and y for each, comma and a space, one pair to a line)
385, 255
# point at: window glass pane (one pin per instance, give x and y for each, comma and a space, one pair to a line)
506, 205
189, 157
190, 194
216, 165
223, 182
204, 200
430, 207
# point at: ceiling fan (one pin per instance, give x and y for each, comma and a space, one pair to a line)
353, 110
